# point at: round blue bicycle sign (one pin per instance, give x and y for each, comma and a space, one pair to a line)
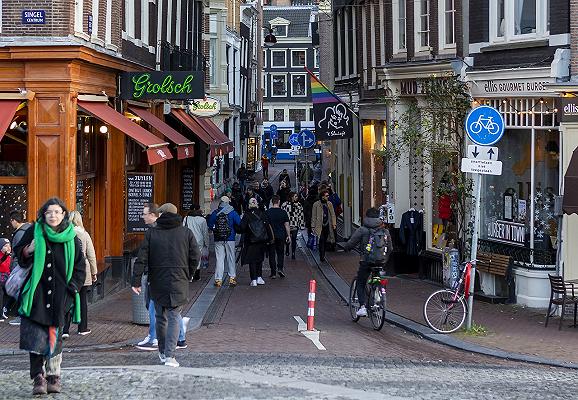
485, 125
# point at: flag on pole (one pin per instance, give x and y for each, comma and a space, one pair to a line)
333, 118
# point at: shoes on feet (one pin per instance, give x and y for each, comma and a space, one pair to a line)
53, 384
171, 362
148, 346
232, 281
260, 281
39, 385
273, 276
362, 312
65, 336
162, 358
15, 321
84, 333
181, 344
186, 323
281, 273
253, 283
218, 283
144, 341
4, 314
293, 256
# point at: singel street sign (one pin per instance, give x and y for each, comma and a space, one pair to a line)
169, 85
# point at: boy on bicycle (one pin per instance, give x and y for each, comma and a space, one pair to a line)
375, 246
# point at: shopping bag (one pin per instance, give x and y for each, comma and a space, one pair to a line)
312, 241
16, 280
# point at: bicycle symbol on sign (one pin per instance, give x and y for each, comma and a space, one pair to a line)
486, 123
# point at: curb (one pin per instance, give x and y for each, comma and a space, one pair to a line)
342, 288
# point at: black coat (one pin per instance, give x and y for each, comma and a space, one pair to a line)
170, 254
53, 296
253, 252
266, 194
410, 232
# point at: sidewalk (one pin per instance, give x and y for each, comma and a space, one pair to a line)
512, 329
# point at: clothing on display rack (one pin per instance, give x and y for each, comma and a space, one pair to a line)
411, 230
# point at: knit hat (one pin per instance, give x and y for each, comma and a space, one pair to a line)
168, 207
372, 213
253, 203
225, 199
3, 242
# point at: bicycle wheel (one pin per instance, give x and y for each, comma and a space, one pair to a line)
376, 301
353, 301
444, 314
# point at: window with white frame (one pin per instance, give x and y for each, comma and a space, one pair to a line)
213, 60
514, 20
278, 85
279, 30
278, 58
422, 14
315, 58
447, 23
297, 114
399, 26
298, 58
278, 114
264, 58
298, 85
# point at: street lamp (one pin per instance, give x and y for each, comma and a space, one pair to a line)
270, 39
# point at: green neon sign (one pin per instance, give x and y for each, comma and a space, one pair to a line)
163, 85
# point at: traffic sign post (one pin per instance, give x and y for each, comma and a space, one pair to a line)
485, 127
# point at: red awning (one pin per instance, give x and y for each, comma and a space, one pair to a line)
196, 128
156, 148
7, 110
184, 145
225, 144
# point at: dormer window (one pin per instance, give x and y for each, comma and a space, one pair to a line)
279, 30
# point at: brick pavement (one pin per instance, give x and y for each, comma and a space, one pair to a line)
511, 328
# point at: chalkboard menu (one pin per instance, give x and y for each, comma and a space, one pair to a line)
139, 191
187, 189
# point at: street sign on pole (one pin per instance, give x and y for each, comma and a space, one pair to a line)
482, 152
273, 135
484, 167
273, 128
306, 139
294, 150
294, 139
485, 125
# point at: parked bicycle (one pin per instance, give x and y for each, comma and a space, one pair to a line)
445, 310
375, 291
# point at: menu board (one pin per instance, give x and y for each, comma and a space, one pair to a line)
139, 191
187, 189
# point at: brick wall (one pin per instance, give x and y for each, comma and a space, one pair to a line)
574, 39
59, 18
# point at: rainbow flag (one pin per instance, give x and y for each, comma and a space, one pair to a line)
320, 93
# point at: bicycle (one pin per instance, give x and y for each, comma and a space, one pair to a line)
490, 126
445, 310
375, 291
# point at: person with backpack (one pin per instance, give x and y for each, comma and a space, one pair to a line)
294, 210
222, 223
279, 221
375, 246
256, 235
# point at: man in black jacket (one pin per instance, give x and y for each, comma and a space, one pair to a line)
170, 254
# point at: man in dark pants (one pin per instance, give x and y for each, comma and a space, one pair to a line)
170, 253
279, 221
323, 222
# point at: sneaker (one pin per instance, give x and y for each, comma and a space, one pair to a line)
273, 276
253, 283
162, 358
260, 281
171, 362
54, 384
65, 336
144, 341
15, 321
232, 281
362, 312
281, 274
84, 333
148, 346
218, 283
181, 344
4, 314
39, 385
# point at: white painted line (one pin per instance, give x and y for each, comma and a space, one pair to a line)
311, 335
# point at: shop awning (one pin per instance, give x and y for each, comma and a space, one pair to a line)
7, 110
200, 130
570, 200
225, 144
184, 145
156, 148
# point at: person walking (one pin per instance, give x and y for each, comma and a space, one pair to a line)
170, 254
279, 221
284, 177
237, 198
294, 210
198, 225
242, 175
251, 194
337, 207
5, 260
58, 270
266, 193
20, 226
222, 222
91, 271
256, 235
284, 192
323, 222
265, 166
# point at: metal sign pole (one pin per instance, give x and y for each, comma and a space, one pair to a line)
474, 252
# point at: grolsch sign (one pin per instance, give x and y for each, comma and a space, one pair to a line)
170, 85
568, 109
207, 107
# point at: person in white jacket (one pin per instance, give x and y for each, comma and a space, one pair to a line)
198, 225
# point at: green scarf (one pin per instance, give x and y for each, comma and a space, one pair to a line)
67, 237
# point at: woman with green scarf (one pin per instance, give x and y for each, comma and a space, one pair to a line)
57, 273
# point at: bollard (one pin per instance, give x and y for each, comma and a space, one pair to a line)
311, 305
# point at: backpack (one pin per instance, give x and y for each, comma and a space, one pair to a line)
222, 229
375, 251
258, 229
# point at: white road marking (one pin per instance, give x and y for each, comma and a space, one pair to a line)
311, 335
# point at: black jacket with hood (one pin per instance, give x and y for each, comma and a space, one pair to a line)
170, 254
361, 236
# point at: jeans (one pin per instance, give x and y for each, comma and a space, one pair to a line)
83, 325
152, 324
256, 270
362, 274
276, 255
167, 326
225, 256
242, 185
293, 243
323, 242
37, 362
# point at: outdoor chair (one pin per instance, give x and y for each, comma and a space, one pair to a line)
559, 295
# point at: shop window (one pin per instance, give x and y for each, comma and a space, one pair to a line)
12, 197
13, 148
86, 145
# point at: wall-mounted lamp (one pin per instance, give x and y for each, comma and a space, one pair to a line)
86, 128
103, 129
13, 125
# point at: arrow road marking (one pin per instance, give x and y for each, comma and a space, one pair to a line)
311, 335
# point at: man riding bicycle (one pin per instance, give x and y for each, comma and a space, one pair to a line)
375, 246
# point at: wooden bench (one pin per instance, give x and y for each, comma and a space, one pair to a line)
492, 263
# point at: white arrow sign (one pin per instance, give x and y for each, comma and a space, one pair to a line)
482, 152
484, 167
